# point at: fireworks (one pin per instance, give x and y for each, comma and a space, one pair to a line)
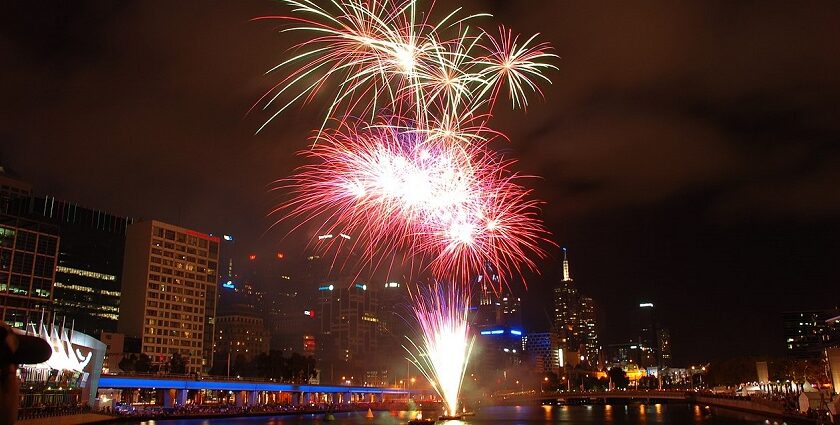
407, 165
451, 205
446, 340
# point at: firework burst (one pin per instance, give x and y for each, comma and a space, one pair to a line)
444, 351
453, 206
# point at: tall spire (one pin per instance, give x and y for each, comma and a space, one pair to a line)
567, 276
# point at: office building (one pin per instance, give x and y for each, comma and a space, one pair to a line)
648, 335
567, 308
807, 332
169, 292
664, 346
348, 328
589, 330
11, 188
28, 253
241, 336
544, 352
89, 266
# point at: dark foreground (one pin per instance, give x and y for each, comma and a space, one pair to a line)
522, 415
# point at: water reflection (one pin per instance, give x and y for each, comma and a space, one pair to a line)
523, 415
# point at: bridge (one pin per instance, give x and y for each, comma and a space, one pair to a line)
586, 396
176, 390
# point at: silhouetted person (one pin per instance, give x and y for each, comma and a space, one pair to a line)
16, 349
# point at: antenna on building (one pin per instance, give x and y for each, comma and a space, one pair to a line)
567, 276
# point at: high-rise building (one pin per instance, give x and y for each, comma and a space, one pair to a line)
544, 351
11, 188
806, 331
648, 337
88, 276
589, 329
349, 327
567, 308
28, 252
663, 338
169, 292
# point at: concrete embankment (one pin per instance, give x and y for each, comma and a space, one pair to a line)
761, 407
82, 418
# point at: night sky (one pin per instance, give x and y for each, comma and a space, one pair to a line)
689, 153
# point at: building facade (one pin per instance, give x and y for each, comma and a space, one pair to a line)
241, 336
28, 253
88, 276
544, 352
348, 328
806, 332
169, 292
589, 330
567, 309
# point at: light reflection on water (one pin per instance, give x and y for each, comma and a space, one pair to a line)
635, 414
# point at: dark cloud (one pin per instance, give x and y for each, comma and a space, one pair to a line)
684, 147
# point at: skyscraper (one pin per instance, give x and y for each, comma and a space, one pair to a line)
169, 292
567, 308
589, 329
349, 328
648, 337
664, 346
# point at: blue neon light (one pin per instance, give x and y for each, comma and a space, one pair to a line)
229, 285
515, 332
127, 382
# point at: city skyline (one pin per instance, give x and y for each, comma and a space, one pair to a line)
705, 238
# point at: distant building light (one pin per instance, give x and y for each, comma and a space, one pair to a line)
309, 313
392, 285
322, 237
280, 255
252, 257
326, 288
515, 332
646, 305
229, 285
227, 237
362, 286
345, 236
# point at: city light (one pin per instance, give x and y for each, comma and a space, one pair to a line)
252, 257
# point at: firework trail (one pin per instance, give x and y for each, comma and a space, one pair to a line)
444, 351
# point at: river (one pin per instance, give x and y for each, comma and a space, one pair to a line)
677, 414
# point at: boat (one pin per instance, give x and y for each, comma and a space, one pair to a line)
418, 420
451, 417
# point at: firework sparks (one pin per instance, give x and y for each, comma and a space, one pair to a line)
444, 351
453, 205
388, 55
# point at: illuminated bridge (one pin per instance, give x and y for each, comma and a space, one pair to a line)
175, 390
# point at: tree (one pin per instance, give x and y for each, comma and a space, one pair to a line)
143, 363
618, 377
128, 362
177, 363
